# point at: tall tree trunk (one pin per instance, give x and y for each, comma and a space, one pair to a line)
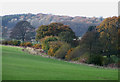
90, 49
23, 39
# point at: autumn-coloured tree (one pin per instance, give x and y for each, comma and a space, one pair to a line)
23, 30
46, 40
119, 39
67, 57
119, 42
52, 29
108, 30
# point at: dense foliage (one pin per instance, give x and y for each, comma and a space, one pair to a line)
62, 51
11, 42
37, 46
54, 46
53, 29
108, 30
45, 42
99, 45
102, 41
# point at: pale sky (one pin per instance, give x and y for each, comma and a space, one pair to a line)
89, 8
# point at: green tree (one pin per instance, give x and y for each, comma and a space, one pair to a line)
67, 36
90, 40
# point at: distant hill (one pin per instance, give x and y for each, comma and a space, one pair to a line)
78, 24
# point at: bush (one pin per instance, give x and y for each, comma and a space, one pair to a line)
14, 42
37, 46
22, 44
54, 46
84, 58
68, 53
45, 42
51, 52
28, 44
76, 52
62, 51
113, 59
95, 59
45, 46
5, 42
10, 42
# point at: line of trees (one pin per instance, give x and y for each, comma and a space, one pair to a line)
103, 39
99, 45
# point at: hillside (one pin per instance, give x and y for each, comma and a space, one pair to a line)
18, 65
78, 24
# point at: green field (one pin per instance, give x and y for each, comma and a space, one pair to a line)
18, 65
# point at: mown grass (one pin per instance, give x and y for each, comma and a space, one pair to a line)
18, 65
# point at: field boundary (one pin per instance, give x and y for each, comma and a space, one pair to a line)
34, 51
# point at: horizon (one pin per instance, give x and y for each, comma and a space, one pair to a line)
56, 15
72, 9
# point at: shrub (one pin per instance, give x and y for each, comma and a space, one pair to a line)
22, 44
5, 42
45, 46
113, 59
62, 51
10, 42
68, 53
95, 59
54, 46
28, 44
76, 59
37, 46
16, 43
51, 52
45, 42
76, 52
84, 58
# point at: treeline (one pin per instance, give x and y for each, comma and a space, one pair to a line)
99, 45
78, 24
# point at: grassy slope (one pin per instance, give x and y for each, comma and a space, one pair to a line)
18, 65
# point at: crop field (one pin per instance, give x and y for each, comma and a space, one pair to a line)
19, 65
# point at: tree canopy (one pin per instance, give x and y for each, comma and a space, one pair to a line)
108, 30
103, 39
23, 30
53, 29
90, 40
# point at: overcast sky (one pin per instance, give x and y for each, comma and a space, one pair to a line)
105, 8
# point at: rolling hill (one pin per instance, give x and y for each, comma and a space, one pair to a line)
78, 24
19, 65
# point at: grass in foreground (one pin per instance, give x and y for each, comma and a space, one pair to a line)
18, 65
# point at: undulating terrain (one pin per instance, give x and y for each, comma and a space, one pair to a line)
78, 24
19, 65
